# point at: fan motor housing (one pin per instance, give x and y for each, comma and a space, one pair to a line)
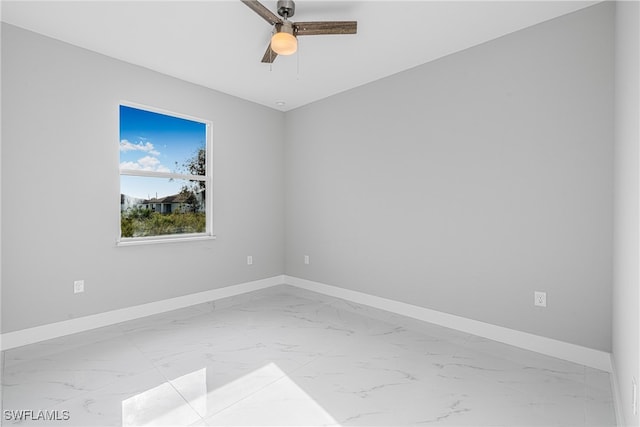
286, 8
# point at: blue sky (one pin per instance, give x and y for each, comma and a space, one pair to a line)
156, 142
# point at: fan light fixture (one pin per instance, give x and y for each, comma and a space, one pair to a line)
284, 39
284, 42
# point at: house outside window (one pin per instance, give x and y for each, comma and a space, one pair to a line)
165, 176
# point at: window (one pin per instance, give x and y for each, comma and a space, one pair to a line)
165, 176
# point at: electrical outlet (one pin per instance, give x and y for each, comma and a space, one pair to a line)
249, 260
540, 299
78, 286
306, 259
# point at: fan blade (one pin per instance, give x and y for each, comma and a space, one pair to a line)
327, 27
261, 10
269, 55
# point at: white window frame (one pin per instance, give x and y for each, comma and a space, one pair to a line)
207, 179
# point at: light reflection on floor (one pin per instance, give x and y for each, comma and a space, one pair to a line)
259, 408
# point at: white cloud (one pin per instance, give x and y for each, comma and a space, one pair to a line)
146, 163
147, 147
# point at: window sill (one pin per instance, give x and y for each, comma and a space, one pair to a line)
164, 239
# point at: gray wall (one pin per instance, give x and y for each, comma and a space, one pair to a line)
626, 298
60, 186
465, 184
462, 185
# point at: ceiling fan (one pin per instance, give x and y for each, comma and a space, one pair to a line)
284, 40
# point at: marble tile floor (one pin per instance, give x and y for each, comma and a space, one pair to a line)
289, 357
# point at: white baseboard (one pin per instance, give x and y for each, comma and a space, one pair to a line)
53, 330
574, 353
617, 398
562, 350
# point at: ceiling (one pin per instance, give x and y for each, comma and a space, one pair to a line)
219, 44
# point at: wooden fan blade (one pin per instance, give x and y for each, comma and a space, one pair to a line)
326, 27
261, 10
269, 55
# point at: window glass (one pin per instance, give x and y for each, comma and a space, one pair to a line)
164, 164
